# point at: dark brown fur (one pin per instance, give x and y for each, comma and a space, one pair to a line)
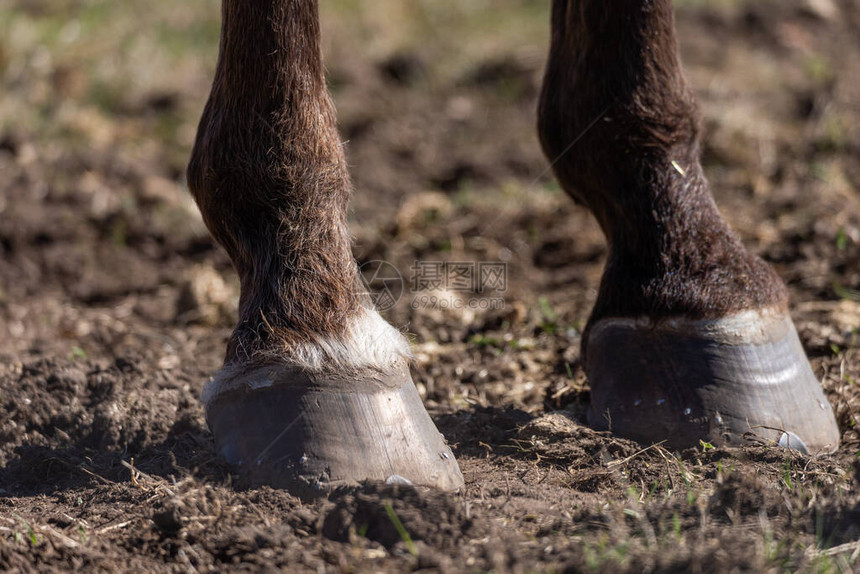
269, 175
614, 81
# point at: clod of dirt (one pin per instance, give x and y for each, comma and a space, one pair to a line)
403, 68
743, 494
169, 520
10, 141
393, 514
560, 436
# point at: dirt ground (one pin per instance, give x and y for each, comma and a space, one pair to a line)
115, 305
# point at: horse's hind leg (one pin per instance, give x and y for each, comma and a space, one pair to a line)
690, 338
315, 389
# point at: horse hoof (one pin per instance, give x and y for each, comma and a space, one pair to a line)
308, 433
722, 381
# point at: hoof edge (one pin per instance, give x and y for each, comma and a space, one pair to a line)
310, 433
682, 381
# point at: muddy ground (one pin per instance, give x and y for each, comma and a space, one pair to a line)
115, 305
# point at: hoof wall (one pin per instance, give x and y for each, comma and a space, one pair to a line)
722, 381
309, 433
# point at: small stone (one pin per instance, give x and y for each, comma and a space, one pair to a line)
821, 9
397, 479
792, 441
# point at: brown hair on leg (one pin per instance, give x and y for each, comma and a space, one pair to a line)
614, 81
269, 175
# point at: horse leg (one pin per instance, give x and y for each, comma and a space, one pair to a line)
315, 390
690, 338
